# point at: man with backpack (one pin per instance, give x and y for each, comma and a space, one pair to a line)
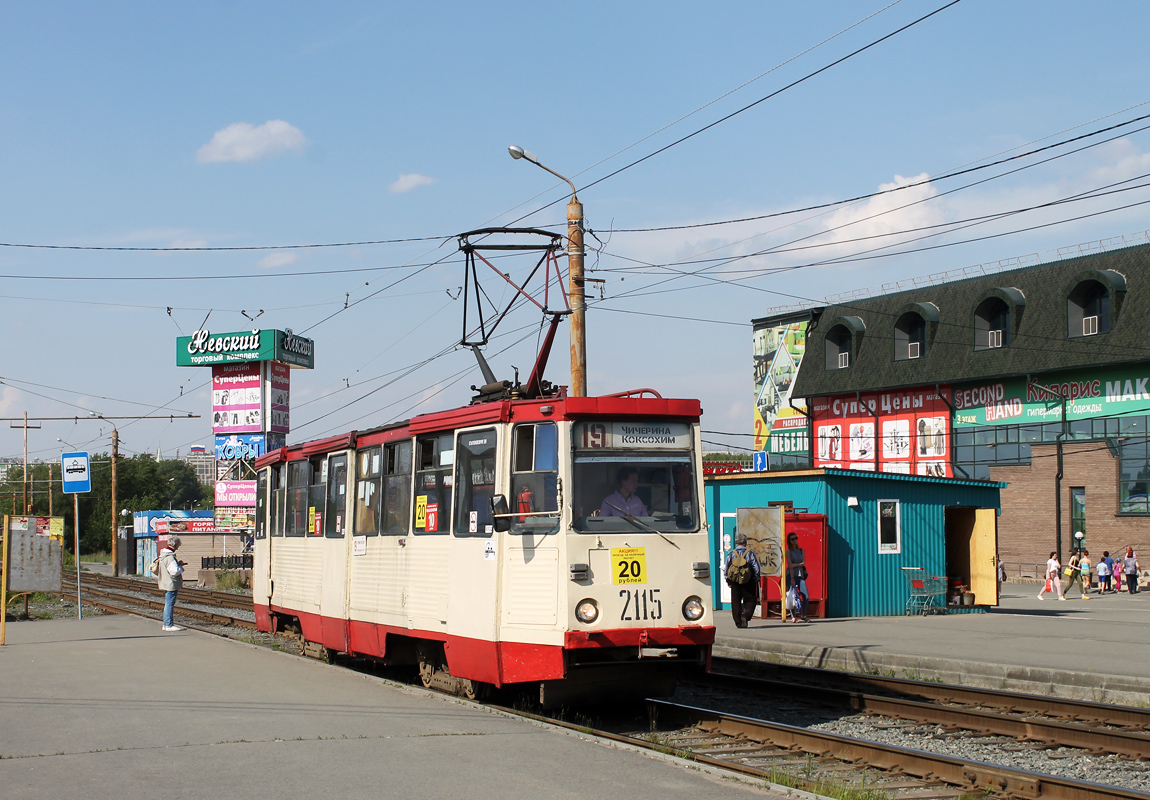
741, 570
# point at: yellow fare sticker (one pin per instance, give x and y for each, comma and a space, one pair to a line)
628, 565
421, 512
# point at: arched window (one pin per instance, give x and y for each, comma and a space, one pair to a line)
1093, 301
838, 347
842, 342
909, 336
1088, 309
991, 324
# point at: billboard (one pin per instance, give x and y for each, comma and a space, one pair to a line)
241, 494
1091, 392
151, 523
206, 349
778, 354
905, 432
237, 398
279, 397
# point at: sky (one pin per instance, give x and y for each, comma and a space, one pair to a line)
382, 128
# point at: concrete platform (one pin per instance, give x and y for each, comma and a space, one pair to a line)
1096, 649
110, 707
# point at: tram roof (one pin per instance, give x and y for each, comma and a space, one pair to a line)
618, 405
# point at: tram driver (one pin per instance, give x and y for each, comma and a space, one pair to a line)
624, 502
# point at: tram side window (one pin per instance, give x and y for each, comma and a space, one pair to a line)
433, 483
475, 482
396, 503
262, 504
535, 478
278, 481
335, 513
295, 513
367, 473
316, 493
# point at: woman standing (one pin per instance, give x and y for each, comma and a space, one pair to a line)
1053, 580
797, 578
1130, 569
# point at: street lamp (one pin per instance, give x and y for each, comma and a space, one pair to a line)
115, 458
574, 275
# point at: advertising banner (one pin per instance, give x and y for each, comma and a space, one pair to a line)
235, 518
1093, 392
778, 353
237, 405
205, 349
911, 437
236, 493
150, 523
279, 392
240, 446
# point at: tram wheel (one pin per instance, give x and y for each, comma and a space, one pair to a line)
473, 690
426, 670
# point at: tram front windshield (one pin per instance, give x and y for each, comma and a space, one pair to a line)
633, 477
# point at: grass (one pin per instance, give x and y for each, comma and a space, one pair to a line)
229, 581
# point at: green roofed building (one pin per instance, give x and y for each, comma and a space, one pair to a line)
999, 377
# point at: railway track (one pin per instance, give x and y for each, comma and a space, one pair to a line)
793, 754
195, 608
1096, 727
812, 759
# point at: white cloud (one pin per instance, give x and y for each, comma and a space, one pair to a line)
244, 142
277, 260
408, 182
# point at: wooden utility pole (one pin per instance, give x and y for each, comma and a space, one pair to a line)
25, 426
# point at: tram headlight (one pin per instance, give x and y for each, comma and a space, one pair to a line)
587, 611
693, 608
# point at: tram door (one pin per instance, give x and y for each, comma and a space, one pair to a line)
336, 541
474, 565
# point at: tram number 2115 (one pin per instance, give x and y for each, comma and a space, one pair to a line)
641, 604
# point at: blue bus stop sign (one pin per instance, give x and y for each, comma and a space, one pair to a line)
77, 474
759, 460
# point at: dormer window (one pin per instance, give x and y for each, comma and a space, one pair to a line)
842, 342
1093, 301
909, 337
991, 324
1088, 310
838, 347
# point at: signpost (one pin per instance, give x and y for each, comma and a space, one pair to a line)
76, 472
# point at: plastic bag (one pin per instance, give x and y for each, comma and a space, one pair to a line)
1049, 587
790, 600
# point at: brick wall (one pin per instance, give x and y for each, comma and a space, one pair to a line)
1026, 527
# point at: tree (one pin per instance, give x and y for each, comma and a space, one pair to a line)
143, 484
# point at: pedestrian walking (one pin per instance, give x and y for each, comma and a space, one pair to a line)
1071, 572
1053, 577
171, 578
1105, 570
741, 570
1130, 569
1084, 570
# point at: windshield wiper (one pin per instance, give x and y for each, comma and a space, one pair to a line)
636, 521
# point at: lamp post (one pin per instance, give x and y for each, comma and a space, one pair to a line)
115, 519
574, 277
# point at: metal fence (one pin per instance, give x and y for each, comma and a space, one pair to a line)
227, 562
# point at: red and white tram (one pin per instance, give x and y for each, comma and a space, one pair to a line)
479, 544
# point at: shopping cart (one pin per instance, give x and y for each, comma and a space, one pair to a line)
927, 592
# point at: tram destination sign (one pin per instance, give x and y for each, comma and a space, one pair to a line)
633, 435
204, 348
